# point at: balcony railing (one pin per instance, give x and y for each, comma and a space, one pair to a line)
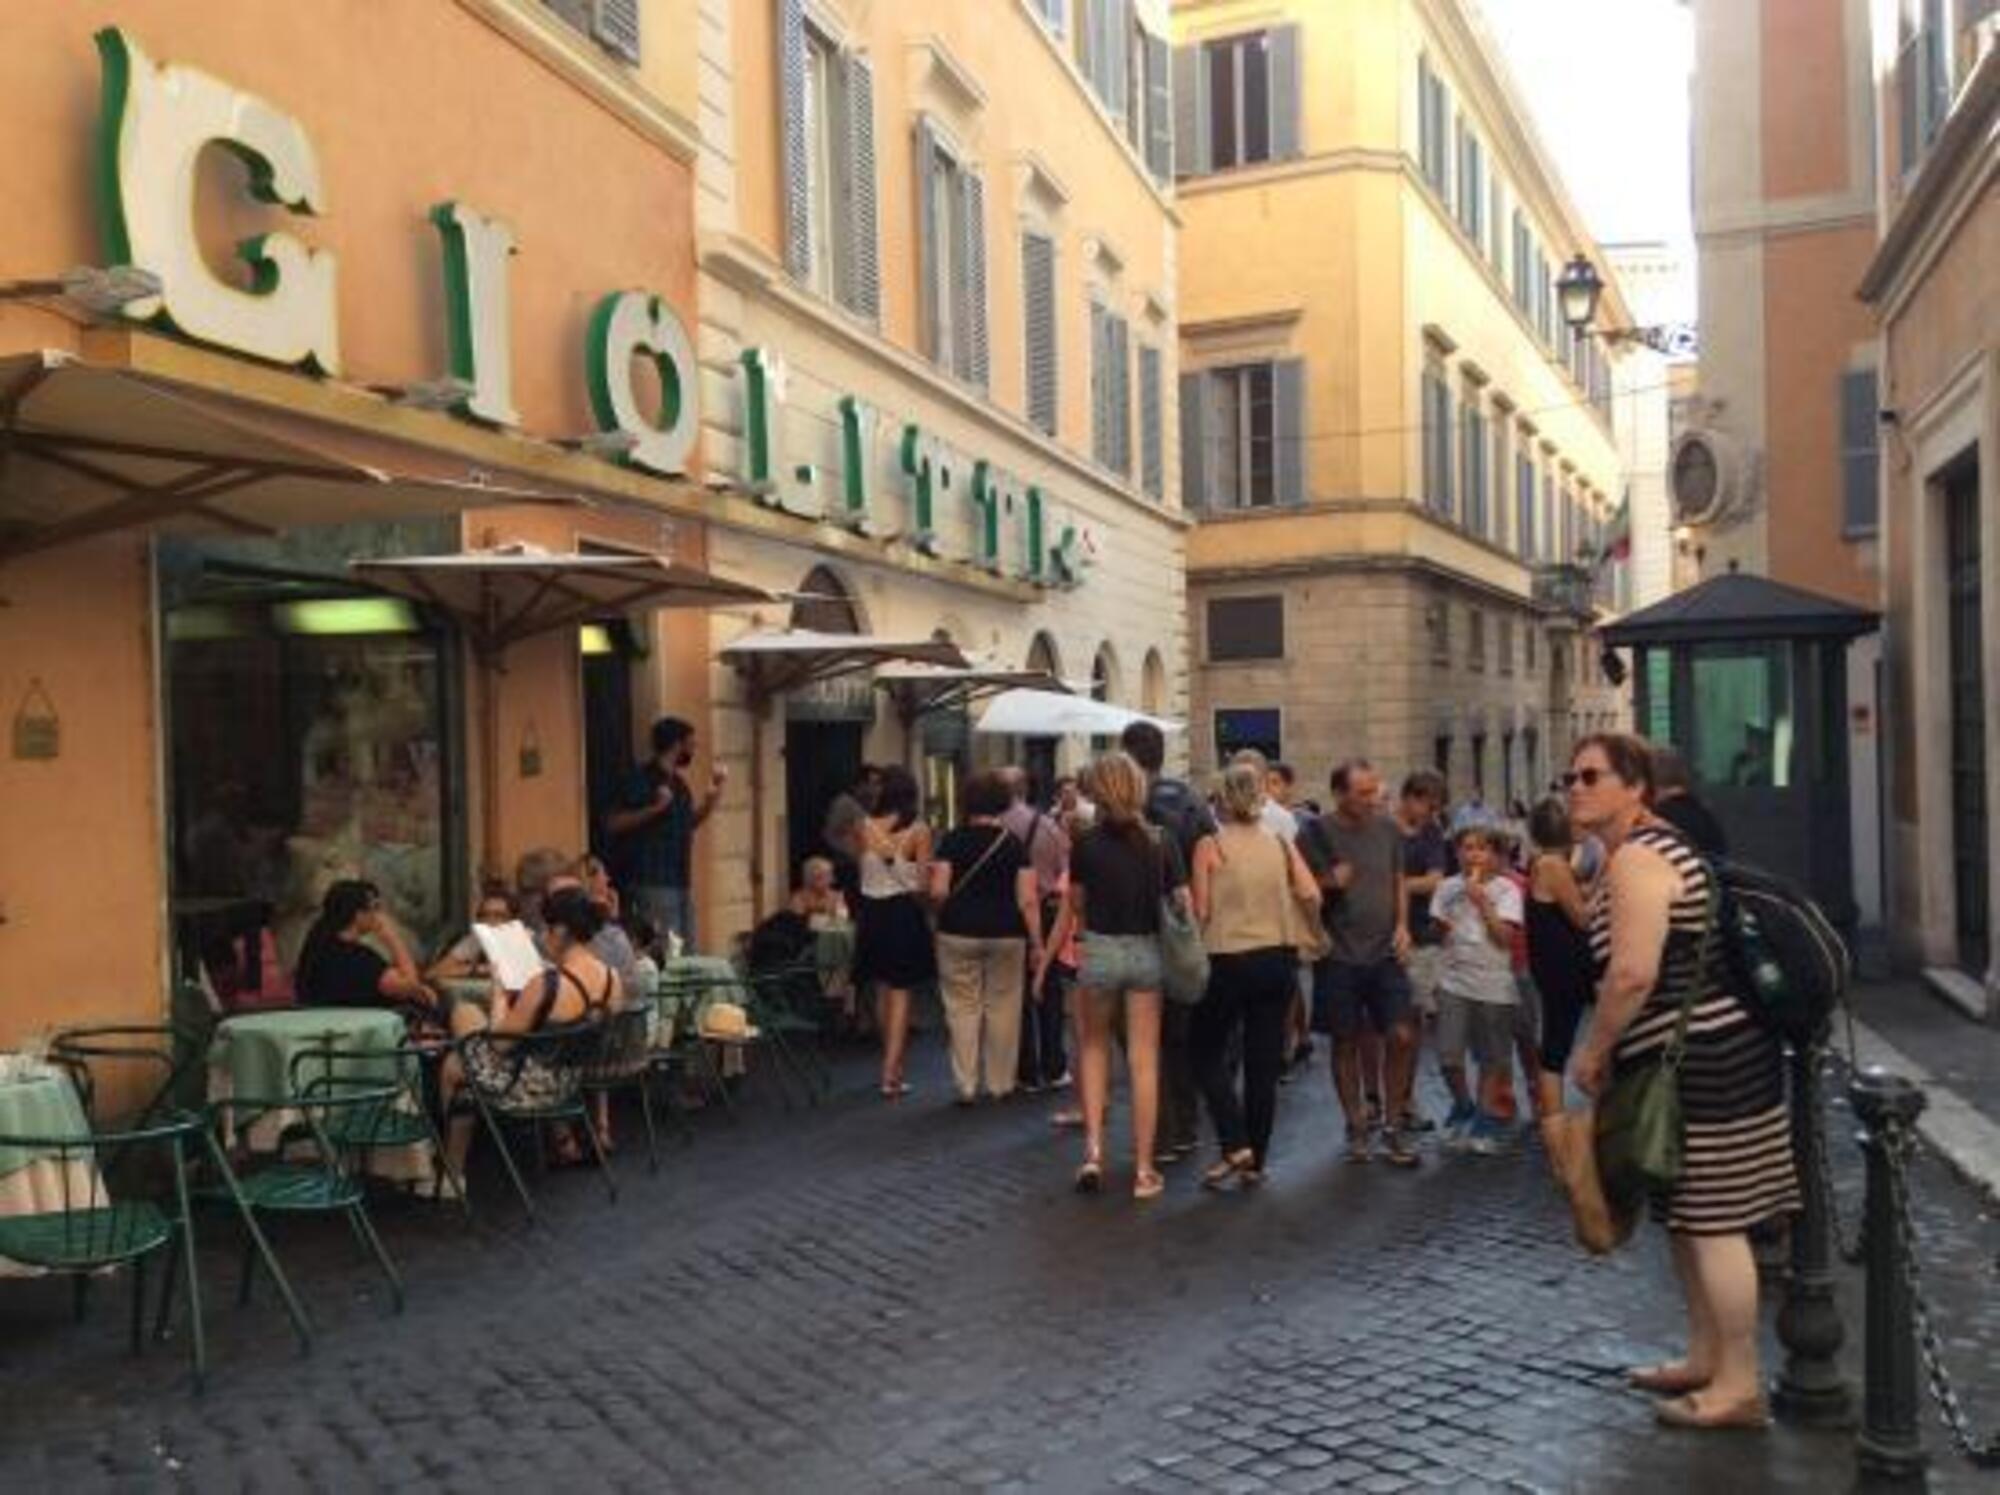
1566, 586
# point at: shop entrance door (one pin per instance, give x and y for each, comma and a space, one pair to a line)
1964, 607
608, 754
822, 762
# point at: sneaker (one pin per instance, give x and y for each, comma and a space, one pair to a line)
1456, 1121
1416, 1121
1060, 1082
1485, 1135
1361, 1146
1400, 1153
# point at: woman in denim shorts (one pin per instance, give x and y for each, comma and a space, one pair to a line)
1118, 873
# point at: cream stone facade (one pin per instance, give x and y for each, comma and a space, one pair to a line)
937, 284
1403, 462
1935, 283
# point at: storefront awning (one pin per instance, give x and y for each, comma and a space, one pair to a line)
925, 689
512, 592
787, 659
1042, 713
86, 450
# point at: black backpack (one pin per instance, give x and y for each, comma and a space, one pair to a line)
1784, 957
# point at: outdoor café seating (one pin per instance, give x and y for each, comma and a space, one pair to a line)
528, 1082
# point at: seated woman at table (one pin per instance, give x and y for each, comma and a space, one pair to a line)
576, 986
816, 899
339, 967
467, 957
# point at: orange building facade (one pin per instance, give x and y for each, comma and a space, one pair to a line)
208, 713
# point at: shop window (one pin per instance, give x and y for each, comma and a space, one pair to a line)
1256, 727
1246, 628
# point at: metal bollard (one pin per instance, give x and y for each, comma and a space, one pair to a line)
1888, 1444
1809, 1390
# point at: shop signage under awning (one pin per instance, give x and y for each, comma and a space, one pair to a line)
87, 450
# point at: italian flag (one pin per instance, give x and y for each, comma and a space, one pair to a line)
1618, 538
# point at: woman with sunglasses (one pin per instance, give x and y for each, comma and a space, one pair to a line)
1647, 924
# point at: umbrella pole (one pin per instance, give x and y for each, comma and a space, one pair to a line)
759, 703
489, 752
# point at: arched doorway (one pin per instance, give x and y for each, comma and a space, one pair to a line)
1153, 684
1104, 686
1037, 755
825, 724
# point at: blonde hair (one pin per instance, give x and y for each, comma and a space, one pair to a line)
1118, 786
812, 865
1243, 790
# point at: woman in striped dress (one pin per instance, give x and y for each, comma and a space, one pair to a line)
1646, 927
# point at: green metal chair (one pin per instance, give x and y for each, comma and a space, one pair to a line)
100, 1225
359, 1133
623, 1062
788, 1003
682, 998
310, 1173
530, 1080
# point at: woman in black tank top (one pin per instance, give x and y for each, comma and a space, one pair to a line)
1558, 947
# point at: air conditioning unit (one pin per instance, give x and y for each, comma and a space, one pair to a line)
1710, 476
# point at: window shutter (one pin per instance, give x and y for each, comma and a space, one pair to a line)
573, 12
1099, 374
1117, 53
969, 284
928, 247
1118, 394
1286, 92
792, 145
1152, 425
1159, 109
1196, 451
1038, 296
1089, 39
1288, 429
864, 257
1860, 459
615, 24
1191, 144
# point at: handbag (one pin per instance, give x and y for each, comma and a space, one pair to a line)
1183, 956
1641, 1135
1309, 934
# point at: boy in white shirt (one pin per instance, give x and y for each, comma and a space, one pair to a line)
1479, 911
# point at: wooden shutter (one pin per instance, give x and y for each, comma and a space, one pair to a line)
969, 282
1117, 53
863, 262
1152, 425
1196, 452
1860, 459
1191, 138
615, 24
1286, 92
1288, 428
1159, 108
1118, 394
928, 245
792, 145
1089, 40
1038, 299
1100, 371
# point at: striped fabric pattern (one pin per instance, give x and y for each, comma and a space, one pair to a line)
1738, 1169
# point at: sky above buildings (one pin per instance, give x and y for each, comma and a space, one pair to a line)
1607, 81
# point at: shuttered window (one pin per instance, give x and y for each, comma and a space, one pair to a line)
1860, 454
1246, 628
1152, 425
951, 214
1471, 183
1038, 298
1472, 457
1437, 442
1110, 389
1104, 31
612, 24
1237, 100
1524, 266
827, 156
1475, 639
1159, 132
1434, 144
1503, 644
1051, 14
1496, 227
1524, 506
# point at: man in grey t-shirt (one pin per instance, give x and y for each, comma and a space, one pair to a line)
1356, 852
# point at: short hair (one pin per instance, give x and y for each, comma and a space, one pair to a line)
1548, 825
898, 795
1243, 792
1484, 832
1146, 744
1630, 757
570, 910
1670, 770
1285, 772
1425, 783
814, 864
986, 793
498, 893
537, 869
669, 732
1344, 772
1019, 785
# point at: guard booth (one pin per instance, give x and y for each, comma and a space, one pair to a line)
1747, 678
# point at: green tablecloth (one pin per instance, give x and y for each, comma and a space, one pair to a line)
833, 953
42, 1105
256, 1049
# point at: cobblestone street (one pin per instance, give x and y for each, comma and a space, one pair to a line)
864, 1296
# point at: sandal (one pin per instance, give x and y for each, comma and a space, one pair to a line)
1067, 1118
1090, 1177
1146, 1184
1239, 1164
1689, 1412
1672, 1378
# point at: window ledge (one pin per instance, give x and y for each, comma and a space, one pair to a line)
953, 74
543, 35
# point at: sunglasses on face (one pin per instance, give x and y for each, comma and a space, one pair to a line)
1587, 777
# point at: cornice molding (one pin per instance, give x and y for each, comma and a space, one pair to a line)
1962, 166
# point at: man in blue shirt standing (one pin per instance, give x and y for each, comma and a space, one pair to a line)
654, 827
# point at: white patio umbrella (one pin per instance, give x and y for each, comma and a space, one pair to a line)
1043, 713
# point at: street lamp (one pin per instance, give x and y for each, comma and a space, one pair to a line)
1578, 291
